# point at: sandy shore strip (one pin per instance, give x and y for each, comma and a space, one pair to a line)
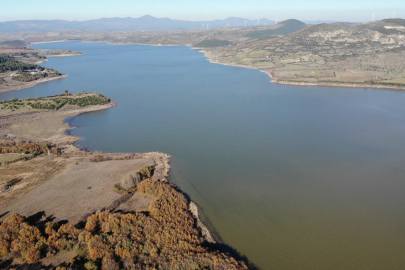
44, 42
62, 55
204, 230
345, 85
4, 88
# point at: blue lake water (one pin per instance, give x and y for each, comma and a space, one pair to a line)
291, 177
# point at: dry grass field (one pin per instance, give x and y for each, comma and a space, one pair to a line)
79, 187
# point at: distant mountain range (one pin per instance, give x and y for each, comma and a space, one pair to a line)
125, 24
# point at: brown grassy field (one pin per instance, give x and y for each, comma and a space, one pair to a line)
10, 157
16, 50
80, 187
24, 176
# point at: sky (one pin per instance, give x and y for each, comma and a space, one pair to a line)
198, 10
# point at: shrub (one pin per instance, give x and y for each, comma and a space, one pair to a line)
146, 171
130, 180
32, 255
99, 158
90, 265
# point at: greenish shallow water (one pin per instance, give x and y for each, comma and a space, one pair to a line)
291, 177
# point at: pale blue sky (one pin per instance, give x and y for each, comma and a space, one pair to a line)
339, 10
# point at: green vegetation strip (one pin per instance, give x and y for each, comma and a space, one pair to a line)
245, 60
56, 102
212, 43
257, 52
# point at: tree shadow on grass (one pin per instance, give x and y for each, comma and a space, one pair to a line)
36, 266
5, 213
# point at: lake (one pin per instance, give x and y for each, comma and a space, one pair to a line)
291, 177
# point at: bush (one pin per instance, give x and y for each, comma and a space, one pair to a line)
146, 171
99, 158
130, 180
90, 265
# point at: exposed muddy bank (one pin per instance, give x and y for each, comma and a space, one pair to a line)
5, 88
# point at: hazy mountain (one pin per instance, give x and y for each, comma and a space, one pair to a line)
122, 24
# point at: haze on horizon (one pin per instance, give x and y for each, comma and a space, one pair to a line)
337, 10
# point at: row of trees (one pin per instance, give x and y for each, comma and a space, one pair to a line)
27, 148
95, 99
56, 102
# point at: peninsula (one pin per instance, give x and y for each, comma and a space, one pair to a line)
19, 67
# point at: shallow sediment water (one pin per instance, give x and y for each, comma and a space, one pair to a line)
291, 177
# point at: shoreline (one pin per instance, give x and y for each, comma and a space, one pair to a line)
275, 80
11, 119
344, 85
206, 233
63, 55
66, 131
31, 84
43, 42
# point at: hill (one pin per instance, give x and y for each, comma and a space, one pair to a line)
339, 54
388, 26
212, 43
282, 28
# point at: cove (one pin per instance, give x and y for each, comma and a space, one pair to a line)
291, 177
